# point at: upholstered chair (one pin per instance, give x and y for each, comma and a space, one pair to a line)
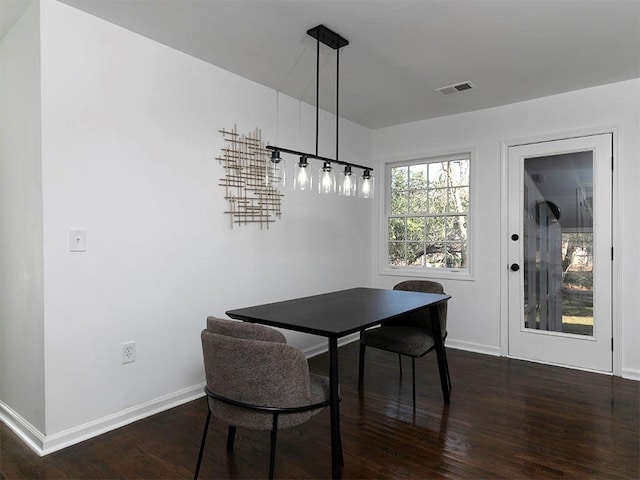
410, 335
256, 380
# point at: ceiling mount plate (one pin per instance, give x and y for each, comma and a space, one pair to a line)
328, 37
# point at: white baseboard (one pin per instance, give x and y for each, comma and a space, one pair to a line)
630, 374
450, 343
29, 434
473, 347
46, 444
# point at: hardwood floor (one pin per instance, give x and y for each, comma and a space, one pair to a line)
507, 419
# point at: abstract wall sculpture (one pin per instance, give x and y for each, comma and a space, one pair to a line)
248, 188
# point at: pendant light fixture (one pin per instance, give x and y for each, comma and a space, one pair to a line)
326, 177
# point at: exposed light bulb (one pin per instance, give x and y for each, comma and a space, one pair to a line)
348, 186
302, 180
366, 185
326, 182
366, 188
326, 179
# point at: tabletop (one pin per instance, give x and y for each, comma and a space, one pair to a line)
340, 313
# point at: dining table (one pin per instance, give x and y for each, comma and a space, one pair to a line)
335, 315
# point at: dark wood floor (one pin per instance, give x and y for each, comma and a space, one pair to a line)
507, 419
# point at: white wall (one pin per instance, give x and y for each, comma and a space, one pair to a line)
475, 312
129, 137
21, 267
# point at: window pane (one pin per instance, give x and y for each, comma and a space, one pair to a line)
438, 200
399, 178
435, 255
458, 200
396, 229
399, 203
415, 228
456, 255
458, 173
396, 253
437, 175
415, 254
418, 176
417, 201
435, 229
456, 228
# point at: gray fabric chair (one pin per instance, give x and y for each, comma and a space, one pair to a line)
256, 381
410, 335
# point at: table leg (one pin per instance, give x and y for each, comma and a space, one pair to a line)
336, 442
443, 368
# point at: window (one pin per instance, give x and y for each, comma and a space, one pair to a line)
427, 214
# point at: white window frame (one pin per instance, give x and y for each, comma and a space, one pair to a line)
385, 197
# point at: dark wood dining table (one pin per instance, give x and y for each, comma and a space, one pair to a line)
337, 314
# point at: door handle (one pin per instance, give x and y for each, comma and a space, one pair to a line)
515, 267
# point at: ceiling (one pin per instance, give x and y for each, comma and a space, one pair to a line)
400, 51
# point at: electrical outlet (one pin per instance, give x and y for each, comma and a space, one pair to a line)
128, 352
77, 240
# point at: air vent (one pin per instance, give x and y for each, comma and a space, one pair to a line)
457, 88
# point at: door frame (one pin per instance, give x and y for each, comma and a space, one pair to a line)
504, 229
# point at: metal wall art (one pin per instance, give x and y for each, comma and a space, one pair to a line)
249, 191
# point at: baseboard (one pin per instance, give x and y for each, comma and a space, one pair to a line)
630, 374
30, 435
322, 347
450, 343
473, 347
46, 444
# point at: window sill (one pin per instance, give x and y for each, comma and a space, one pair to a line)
422, 272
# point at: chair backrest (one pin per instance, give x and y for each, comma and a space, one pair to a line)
251, 331
252, 371
422, 318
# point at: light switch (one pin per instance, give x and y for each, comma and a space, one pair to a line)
77, 240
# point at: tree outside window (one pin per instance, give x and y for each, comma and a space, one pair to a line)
427, 213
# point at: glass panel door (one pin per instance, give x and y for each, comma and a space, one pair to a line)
559, 248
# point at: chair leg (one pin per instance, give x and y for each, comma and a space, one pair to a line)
413, 378
231, 438
361, 366
274, 436
204, 439
400, 363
